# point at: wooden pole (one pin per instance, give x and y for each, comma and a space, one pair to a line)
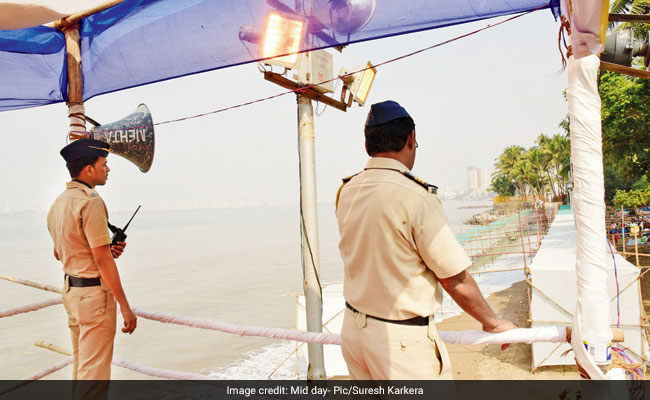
76, 112
636, 249
523, 246
73, 19
32, 284
53, 347
70, 28
623, 227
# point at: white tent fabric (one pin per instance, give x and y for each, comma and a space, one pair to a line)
554, 299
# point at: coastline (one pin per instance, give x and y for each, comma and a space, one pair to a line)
481, 362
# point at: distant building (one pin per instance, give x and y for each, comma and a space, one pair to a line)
477, 179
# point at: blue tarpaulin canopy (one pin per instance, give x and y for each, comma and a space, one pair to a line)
143, 41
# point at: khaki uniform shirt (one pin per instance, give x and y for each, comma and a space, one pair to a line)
77, 222
395, 243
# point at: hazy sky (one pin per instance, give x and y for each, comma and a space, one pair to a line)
469, 100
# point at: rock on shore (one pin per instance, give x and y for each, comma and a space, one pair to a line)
483, 218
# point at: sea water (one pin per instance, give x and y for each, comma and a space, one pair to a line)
232, 265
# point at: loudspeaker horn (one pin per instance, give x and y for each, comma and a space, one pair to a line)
132, 137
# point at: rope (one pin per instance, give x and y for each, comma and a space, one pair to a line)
242, 330
49, 370
521, 335
548, 298
161, 373
30, 307
38, 375
306, 88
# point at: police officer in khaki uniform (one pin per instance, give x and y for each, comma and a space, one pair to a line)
77, 222
397, 247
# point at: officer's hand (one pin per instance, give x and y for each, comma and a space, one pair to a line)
501, 325
118, 249
130, 321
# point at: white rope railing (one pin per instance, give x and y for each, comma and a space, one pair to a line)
242, 330
36, 376
162, 373
49, 370
30, 307
521, 335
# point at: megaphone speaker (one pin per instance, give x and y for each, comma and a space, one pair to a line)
132, 137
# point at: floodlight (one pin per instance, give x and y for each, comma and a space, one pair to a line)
340, 16
283, 34
359, 83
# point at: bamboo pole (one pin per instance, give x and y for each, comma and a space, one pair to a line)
70, 28
636, 248
73, 19
623, 227
53, 347
523, 247
32, 284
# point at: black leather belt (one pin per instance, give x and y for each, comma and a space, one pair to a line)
418, 321
82, 282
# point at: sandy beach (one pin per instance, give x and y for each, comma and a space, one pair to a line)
489, 362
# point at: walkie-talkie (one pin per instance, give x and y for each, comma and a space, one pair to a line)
119, 235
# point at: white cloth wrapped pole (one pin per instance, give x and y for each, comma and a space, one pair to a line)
552, 334
591, 320
30, 307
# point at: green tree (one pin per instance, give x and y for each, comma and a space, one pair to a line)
502, 186
625, 121
631, 7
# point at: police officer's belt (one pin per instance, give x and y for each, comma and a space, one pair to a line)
83, 282
419, 321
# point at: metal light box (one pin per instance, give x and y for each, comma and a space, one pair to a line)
316, 67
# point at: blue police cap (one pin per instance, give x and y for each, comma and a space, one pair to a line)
386, 111
84, 148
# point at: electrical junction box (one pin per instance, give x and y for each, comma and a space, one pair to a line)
315, 67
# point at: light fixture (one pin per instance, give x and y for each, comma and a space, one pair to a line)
358, 83
283, 35
340, 16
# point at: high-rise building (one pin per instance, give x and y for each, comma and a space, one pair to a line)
477, 179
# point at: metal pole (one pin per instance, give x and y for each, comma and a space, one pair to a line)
309, 234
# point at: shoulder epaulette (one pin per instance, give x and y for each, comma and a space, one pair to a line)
345, 180
429, 187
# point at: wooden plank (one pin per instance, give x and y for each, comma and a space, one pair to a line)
629, 18
639, 73
307, 92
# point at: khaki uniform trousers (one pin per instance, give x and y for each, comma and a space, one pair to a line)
377, 350
92, 316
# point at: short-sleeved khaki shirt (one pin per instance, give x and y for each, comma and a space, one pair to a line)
395, 243
77, 222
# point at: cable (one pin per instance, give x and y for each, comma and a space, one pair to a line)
618, 307
305, 88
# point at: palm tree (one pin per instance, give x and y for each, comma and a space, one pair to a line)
631, 7
547, 149
506, 165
